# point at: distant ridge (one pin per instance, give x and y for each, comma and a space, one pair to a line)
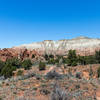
82, 37
80, 43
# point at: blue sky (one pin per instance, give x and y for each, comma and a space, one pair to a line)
27, 21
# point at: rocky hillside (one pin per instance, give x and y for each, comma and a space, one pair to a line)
83, 45
8, 53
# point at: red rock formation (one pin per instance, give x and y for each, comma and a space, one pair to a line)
9, 53
23, 53
84, 46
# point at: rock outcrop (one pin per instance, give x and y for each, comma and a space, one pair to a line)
82, 45
22, 54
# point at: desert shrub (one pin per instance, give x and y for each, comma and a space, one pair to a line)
51, 56
20, 73
98, 72
91, 71
59, 56
42, 66
81, 60
1, 98
53, 74
56, 60
72, 58
26, 64
38, 76
59, 94
33, 56
10, 66
59, 60
46, 57
7, 70
84, 60
64, 60
97, 56
74, 63
91, 59
51, 61
1, 65
27, 76
34, 88
77, 86
44, 91
78, 75
14, 62
69, 71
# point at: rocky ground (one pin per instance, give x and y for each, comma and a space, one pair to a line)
79, 83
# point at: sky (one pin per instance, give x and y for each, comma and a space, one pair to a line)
27, 21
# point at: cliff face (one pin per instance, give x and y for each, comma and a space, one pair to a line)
83, 46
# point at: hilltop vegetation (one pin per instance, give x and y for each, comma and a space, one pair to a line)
72, 59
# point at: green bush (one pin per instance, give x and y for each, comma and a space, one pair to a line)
97, 56
51, 61
33, 56
72, 58
20, 73
7, 70
81, 60
46, 57
9, 66
42, 66
91, 71
74, 63
84, 60
14, 62
51, 56
90, 60
78, 75
1, 98
2, 64
98, 72
26, 64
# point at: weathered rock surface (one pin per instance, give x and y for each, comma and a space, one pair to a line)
83, 46
9, 53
